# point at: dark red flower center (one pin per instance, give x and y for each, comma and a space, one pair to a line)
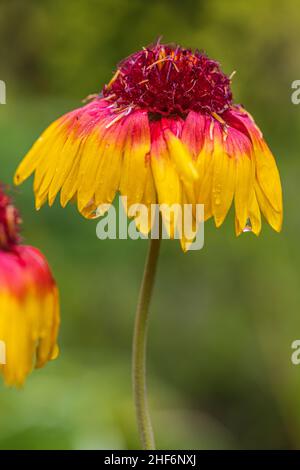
166, 80
9, 222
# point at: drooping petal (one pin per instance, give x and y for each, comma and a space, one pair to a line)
239, 148
92, 156
178, 150
244, 181
224, 177
58, 156
225, 167
69, 154
167, 181
273, 217
108, 176
70, 185
136, 150
164, 128
254, 214
268, 186
30, 162
205, 170
145, 223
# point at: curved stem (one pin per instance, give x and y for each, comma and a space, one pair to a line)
139, 348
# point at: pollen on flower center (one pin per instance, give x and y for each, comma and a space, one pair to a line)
166, 80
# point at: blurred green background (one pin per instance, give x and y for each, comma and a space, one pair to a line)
223, 319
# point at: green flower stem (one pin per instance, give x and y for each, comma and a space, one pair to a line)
139, 348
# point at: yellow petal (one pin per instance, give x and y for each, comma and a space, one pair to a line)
70, 185
48, 164
273, 217
268, 176
243, 187
254, 214
148, 199
68, 156
205, 170
37, 152
91, 157
182, 158
168, 187
108, 175
190, 223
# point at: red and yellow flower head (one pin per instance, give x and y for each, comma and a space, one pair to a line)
164, 130
29, 305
